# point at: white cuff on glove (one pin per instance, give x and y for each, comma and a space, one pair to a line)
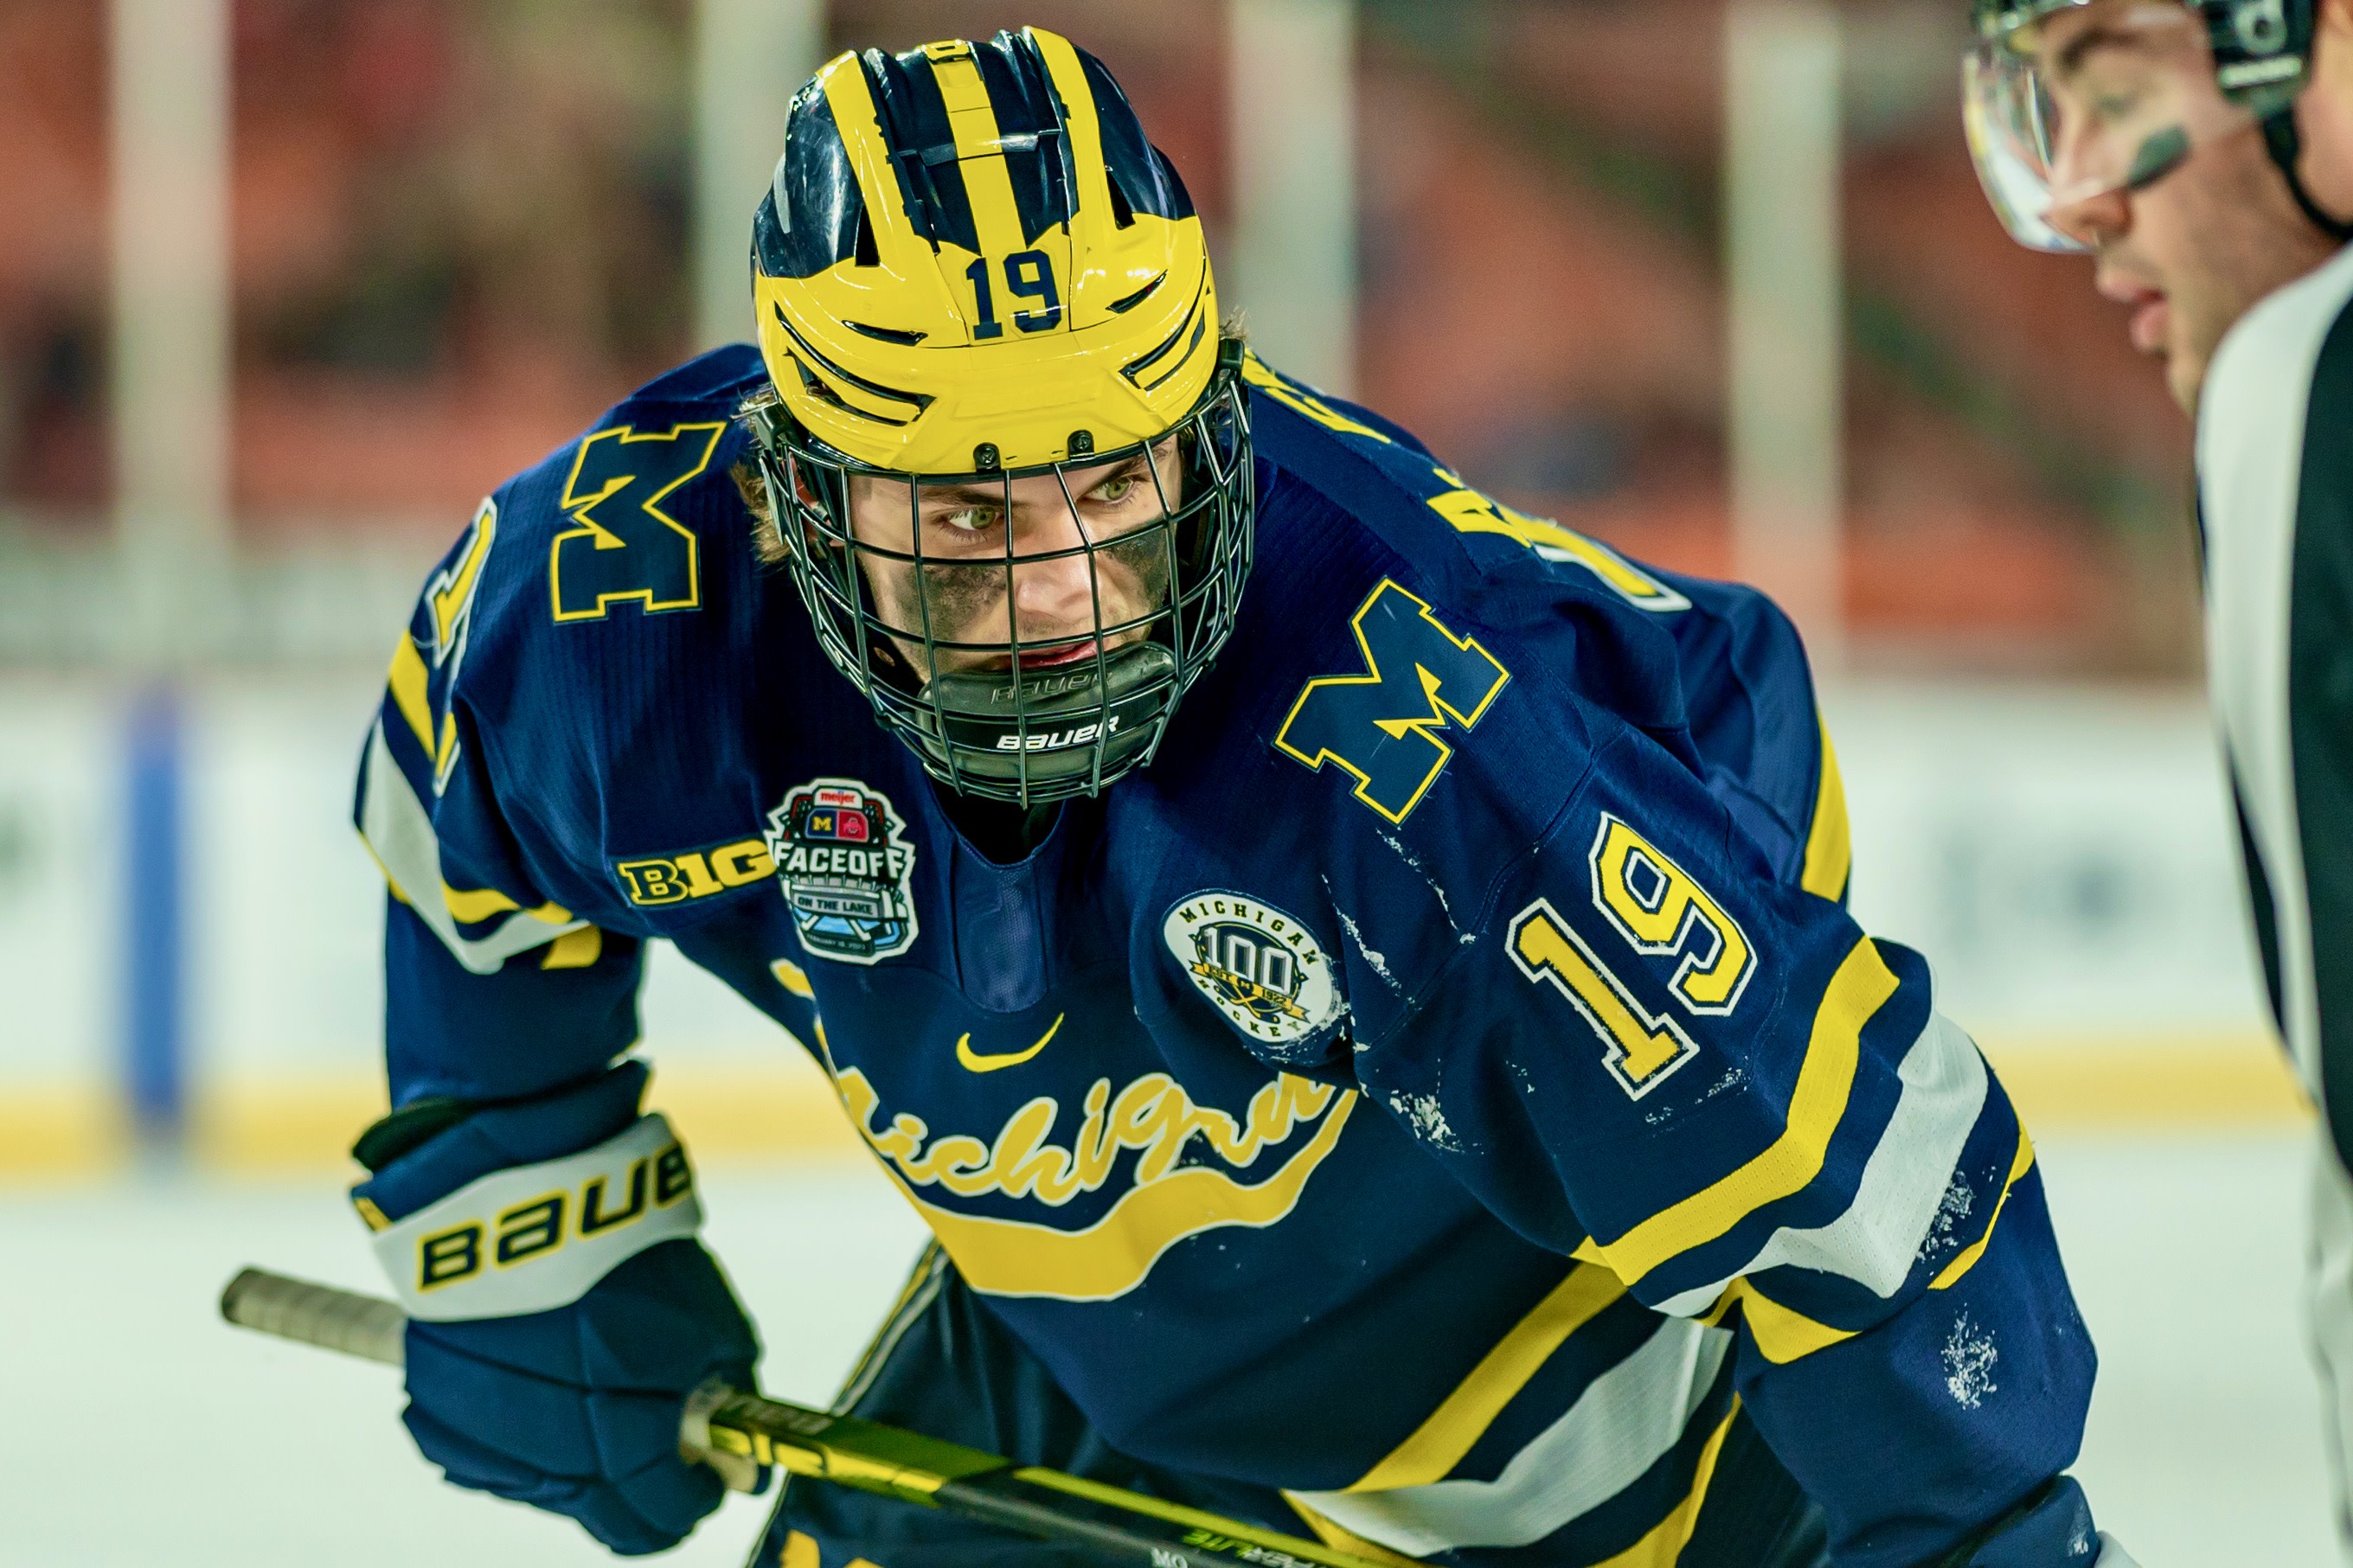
536, 1237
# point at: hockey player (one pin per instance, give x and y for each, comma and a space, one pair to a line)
1354, 977
2202, 153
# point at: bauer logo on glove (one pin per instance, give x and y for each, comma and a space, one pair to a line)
530, 1238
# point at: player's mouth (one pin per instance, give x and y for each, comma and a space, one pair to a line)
2151, 319
1050, 655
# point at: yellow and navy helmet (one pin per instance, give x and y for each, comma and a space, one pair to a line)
975, 270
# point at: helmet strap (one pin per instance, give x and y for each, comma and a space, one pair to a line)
2285, 144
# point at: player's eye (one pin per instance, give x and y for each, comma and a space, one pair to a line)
1112, 492
2108, 109
971, 520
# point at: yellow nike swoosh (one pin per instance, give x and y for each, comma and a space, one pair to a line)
974, 1061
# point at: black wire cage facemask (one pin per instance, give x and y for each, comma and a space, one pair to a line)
927, 617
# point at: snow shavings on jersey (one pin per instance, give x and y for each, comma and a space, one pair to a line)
1733, 1078
1423, 1114
1465, 938
1296, 1053
1969, 1359
1952, 1211
1379, 961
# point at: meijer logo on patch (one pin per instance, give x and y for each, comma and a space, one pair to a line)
841, 851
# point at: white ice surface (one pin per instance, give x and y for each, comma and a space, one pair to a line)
134, 1429
2204, 1449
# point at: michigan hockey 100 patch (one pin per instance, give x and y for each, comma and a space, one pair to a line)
1262, 968
844, 862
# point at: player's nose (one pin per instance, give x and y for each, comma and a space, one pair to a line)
1055, 591
2096, 221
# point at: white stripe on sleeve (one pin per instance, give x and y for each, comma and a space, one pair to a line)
398, 829
1623, 1423
1876, 1242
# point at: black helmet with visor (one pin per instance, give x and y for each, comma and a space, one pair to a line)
2119, 104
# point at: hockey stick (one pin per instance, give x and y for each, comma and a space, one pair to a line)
734, 1431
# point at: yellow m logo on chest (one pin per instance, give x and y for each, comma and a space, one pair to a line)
1383, 727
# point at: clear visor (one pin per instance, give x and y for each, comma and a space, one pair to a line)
2089, 101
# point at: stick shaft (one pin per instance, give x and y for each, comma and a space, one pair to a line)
732, 1428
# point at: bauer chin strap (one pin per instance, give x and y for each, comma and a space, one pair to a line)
2285, 144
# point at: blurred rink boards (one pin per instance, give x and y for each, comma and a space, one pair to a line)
2061, 855
281, 926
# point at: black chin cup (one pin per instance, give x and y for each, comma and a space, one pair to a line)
1084, 720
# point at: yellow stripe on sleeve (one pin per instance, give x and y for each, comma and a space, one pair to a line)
1861, 987
1665, 1542
2022, 1162
1830, 847
455, 592
473, 905
1438, 1445
1783, 1335
407, 679
575, 949
1339, 1539
793, 978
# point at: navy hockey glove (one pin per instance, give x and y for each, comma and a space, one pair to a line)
2051, 1530
560, 1309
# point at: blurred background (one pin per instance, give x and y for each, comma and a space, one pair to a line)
286, 286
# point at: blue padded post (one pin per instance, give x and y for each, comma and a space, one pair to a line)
155, 988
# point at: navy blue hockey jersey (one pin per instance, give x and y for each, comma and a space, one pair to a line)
1445, 1084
